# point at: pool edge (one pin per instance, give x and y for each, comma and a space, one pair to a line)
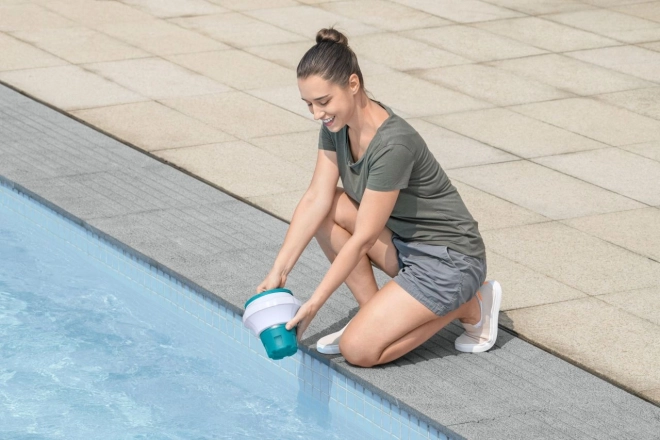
354, 393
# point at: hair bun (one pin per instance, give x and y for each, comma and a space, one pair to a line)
331, 35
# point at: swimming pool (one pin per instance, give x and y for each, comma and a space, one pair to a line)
96, 343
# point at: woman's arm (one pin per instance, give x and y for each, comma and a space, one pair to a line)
373, 213
310, 212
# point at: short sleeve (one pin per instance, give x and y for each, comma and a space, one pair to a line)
325, 140
391, 169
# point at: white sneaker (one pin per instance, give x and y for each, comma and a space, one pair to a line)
482, 336
330, 344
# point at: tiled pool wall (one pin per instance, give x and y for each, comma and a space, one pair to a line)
344, 396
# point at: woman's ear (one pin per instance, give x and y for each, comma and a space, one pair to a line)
354, 83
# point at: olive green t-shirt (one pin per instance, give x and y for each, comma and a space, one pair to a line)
429, 208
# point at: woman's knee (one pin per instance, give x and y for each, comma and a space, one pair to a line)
343, 212
355, 352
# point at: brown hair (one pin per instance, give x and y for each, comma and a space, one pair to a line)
331, 59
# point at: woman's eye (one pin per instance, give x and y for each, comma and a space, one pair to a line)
324, 103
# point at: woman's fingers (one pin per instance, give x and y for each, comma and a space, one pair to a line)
296, 319
272, 281
302, 320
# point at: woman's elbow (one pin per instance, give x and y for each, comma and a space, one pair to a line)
365, 243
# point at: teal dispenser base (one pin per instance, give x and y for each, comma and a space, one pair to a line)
279, 342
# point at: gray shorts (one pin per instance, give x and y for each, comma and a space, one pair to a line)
438, 277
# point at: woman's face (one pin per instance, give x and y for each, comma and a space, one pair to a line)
332, 104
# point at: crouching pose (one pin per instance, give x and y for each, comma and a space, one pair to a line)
397, 210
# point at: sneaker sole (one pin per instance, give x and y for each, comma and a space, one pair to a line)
480, 348
329, 344
328, 349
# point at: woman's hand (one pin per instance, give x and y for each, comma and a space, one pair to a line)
273, 281
303, 318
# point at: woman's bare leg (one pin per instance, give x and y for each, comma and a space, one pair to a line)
337, 229
394, 323
390, 322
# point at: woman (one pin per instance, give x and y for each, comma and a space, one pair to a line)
397, 210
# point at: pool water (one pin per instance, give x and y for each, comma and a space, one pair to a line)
86, 354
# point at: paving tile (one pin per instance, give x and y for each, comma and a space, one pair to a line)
301, 149
632, 60
80, 45
28, 16
546, 34
93, 13
612, 3
523, 287
596, 120
652, 395
611, 24
579, 329
160, 37
493, 212
473, 43
175, 8
574, 258
287, 98
493, 85
465, 11
402, 53
286, 54
307, 20
414, 97
70, 87
593, 425
619, 171
538, 7
571, 75
454, 150
384, 14
282, 205
643, 303
19, 55
648, 149
502, 428
636, 230
643, 101
214, 65
647, 11
156, 78
240, 168
515, 133
542, 190
239, 30
235, 113
246, 5
152, 126
653, 46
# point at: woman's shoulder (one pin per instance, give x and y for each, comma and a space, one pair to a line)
396, 128
397, 131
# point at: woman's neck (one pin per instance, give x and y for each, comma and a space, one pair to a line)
366, 120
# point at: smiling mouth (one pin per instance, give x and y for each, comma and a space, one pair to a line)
328, 121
